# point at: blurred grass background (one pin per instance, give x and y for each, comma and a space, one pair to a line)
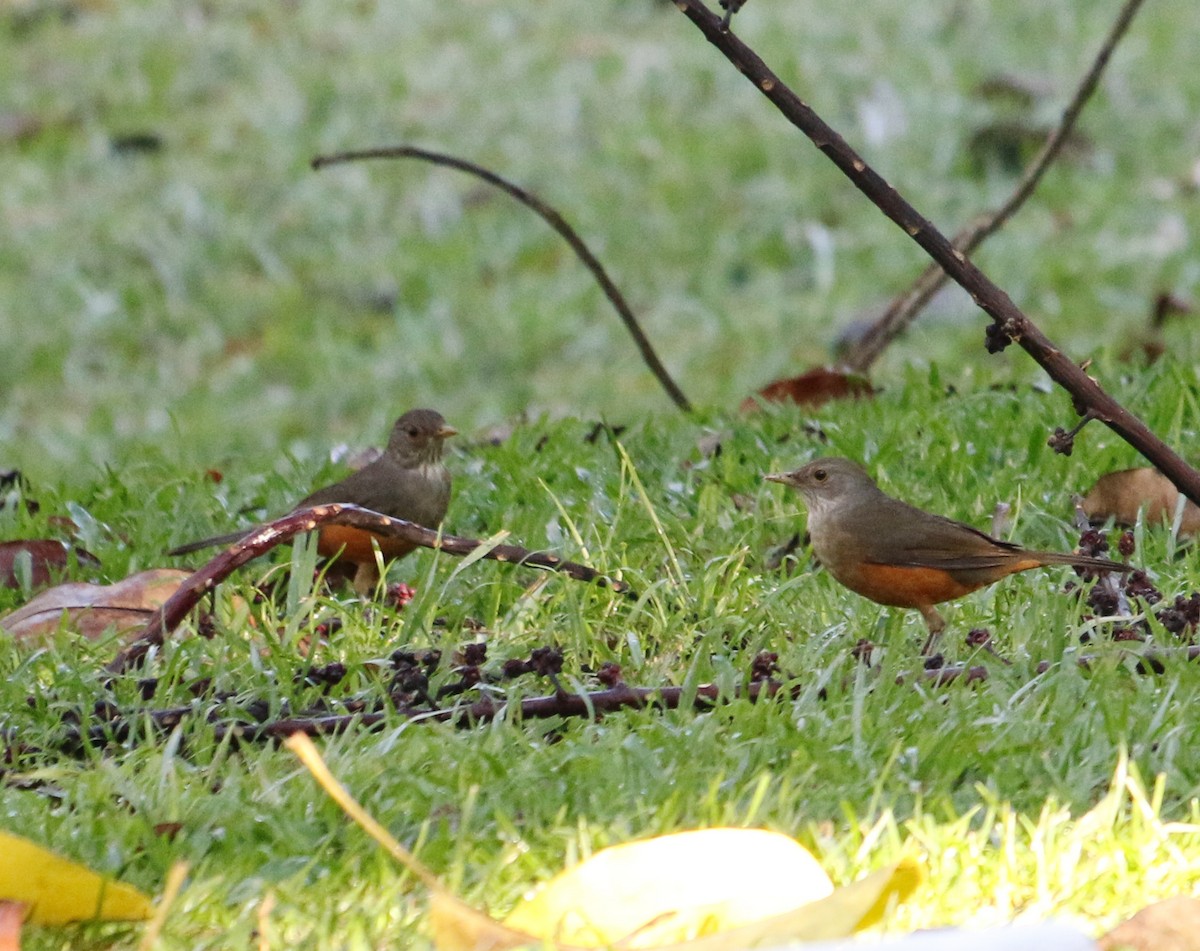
174, 274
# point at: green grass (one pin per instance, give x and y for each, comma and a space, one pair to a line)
217, 305
1014, 790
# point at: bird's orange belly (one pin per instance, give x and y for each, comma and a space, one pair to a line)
354, 544
903, 586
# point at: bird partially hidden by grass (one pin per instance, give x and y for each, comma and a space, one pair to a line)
408, 481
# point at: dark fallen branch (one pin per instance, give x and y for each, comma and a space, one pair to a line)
558, 704
555, 221
1009, 323
120, 727
261, 540
905, 308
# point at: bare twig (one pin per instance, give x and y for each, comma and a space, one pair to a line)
1009, 324
558, 704
555, 221
904, 309
262, 539
119, 727
1062, 440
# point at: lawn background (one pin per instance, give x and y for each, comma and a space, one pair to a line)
214, 304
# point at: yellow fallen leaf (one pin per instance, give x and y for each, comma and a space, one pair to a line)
57, 890
656, 894
674, 888
456, 926
850, 908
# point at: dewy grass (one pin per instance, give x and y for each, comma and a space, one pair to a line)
214, 305
1006, 787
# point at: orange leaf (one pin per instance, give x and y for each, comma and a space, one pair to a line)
812, 388
47, 558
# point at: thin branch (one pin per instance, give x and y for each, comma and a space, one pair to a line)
905, 308
558, 704
262, 539
592, 705
1009, 323
555, 221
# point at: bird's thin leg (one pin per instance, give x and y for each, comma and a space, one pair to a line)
936, 624
366, 579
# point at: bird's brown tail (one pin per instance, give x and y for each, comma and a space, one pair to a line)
207, 543
1080, 561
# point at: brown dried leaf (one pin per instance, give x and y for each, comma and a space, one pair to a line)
812, 388
94, 609
48, 558
1171, 925
1120, 495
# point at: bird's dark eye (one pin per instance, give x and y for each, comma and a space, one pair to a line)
820, 475
414, 433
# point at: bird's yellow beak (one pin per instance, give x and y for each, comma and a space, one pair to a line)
784, 478
446, 432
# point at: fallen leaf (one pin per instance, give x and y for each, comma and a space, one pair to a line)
1171, 925
1121, 495
43, 558
674, 888
94, 609
812, 388
58, 891
715, 882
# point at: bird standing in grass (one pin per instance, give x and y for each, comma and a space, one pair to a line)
897, 555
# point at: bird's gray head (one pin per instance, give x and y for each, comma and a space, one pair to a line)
828, 482
417, 437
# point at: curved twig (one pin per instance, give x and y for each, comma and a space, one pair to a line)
1009, 323
262, 539
905, 308
555, 221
